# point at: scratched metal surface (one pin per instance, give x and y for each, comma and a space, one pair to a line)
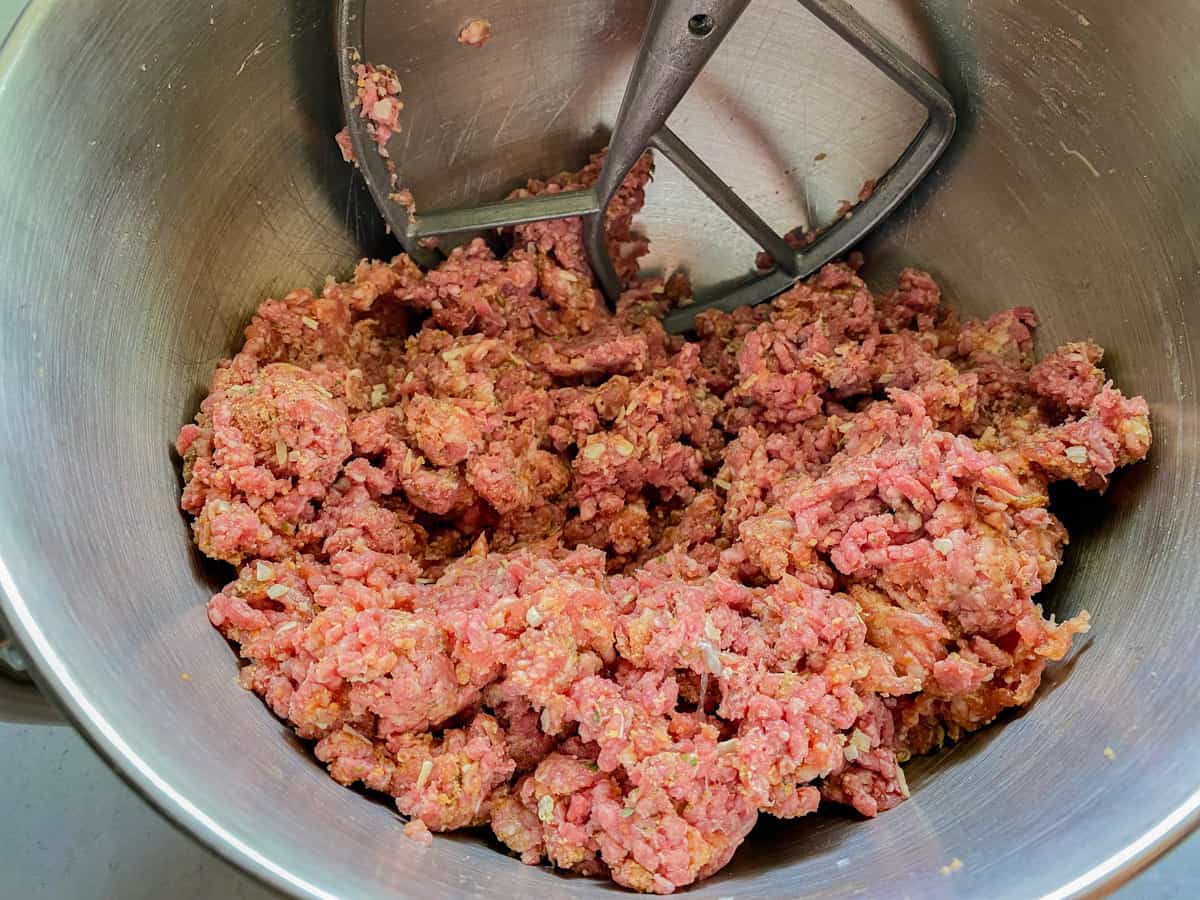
790, 116
163, 166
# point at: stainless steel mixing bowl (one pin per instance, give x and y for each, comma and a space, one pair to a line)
164, 165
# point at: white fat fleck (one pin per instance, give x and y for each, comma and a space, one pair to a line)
902, 782
263, 572
276, 591
533, 617
943, 545
857, 744
712, 661
383, 109
546, 808
426, 768
1077, 454
309, 322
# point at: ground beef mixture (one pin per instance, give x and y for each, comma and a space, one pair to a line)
520, 561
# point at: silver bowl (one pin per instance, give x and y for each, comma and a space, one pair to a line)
166, 165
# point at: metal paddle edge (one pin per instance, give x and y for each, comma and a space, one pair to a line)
791, 265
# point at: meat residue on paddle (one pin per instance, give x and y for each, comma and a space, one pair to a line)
377, 101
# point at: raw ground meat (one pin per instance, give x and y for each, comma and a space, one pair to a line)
377, 100
512, 558
475, 33
801, 236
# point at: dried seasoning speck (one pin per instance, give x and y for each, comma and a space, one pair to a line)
953, 866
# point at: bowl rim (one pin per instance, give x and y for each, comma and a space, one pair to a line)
55, 682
